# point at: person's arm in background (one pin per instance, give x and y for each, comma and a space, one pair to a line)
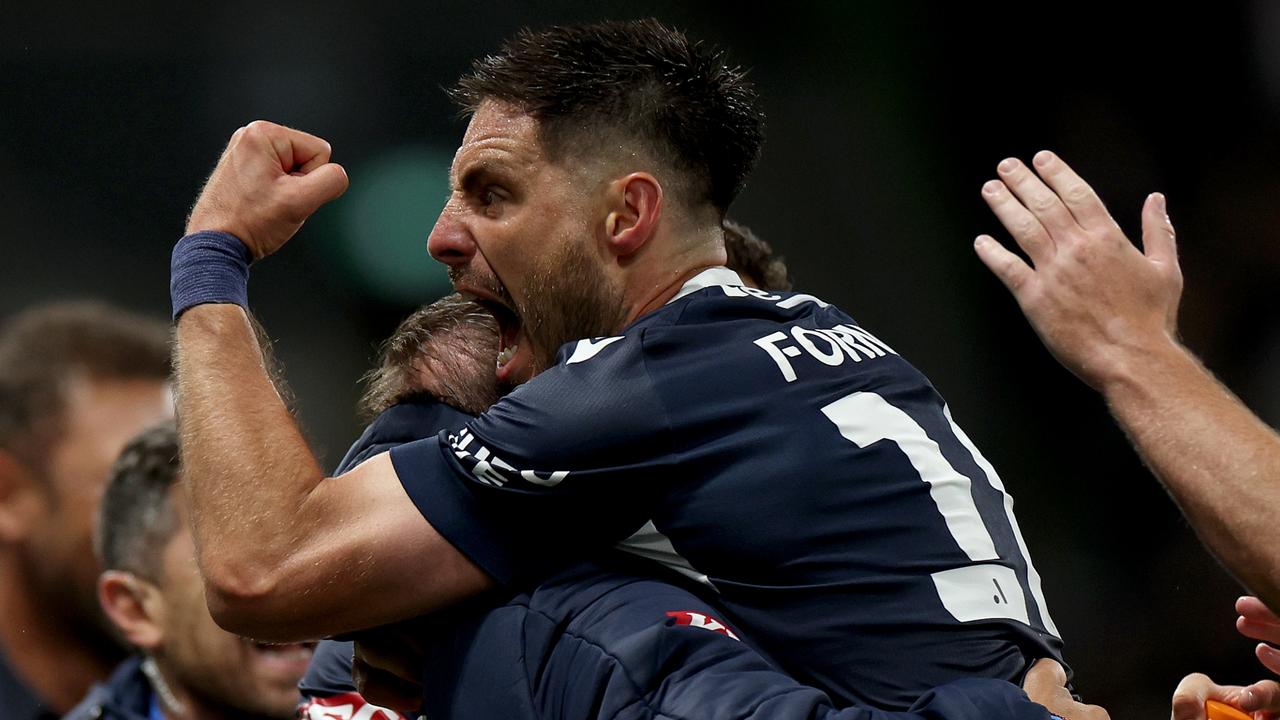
1108, 312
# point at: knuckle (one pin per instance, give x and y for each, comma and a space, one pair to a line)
1027, 228
1076, 194
1041, 203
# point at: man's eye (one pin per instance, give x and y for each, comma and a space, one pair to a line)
489, 196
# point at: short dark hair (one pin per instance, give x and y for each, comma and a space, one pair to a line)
447, 349
42, 348
750, 255
638, 79
136, 518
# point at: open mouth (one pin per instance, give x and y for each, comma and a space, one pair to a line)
511, 338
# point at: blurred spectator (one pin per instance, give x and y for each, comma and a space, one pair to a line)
77, 380
188, 667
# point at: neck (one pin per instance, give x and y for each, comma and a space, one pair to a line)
48, 655
655, 288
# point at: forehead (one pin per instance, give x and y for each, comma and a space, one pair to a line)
499, 135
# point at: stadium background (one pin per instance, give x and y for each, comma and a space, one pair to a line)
884, 120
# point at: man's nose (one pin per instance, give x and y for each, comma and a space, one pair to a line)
450, 241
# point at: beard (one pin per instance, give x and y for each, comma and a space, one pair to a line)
568, 298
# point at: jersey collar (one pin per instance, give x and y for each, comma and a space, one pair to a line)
711, 277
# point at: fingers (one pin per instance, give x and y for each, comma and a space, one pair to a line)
1080, 199
1012, 271
1257, 630
1158, 241
1254, 609
1030, 234
1189, 697
296, 151
1261, 696
1269, 657
321, 185
1043, 202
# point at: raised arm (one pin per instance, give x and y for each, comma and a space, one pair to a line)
286, 553
1107, 311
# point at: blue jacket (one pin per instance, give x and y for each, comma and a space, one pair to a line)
126, 695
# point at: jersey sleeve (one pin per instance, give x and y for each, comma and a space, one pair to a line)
570, 462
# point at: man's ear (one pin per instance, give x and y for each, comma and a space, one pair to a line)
134, 606
635, 206
21, 498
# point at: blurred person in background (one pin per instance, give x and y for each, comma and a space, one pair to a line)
1108, 312
187, 668
77, 380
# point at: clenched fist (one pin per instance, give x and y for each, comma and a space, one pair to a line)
269, 180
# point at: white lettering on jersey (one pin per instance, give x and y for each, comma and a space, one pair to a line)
587, 349
490, 469
744, 291
829, 346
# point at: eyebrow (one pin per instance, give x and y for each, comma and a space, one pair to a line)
482, 172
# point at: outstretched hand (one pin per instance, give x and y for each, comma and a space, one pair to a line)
1096, 301
1257, 621
269, 180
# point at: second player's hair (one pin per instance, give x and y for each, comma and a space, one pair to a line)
750, 255
447, 349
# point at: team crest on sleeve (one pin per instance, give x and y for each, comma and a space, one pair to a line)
700, 620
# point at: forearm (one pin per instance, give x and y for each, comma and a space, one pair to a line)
247, 469
1220, 462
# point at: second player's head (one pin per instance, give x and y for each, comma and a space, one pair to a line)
597, 166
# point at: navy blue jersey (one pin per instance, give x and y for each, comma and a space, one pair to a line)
600, 642
767, 446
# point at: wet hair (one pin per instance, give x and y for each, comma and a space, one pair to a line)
447, 349
44, 348
136, 517
600, 87
750, 256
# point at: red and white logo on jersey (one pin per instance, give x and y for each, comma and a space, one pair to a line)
700, 620
347, 706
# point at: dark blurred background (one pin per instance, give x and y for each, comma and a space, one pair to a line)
884, 121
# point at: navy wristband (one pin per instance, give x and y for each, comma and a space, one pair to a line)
208, 267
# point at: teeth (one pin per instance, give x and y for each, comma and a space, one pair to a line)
505, 356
